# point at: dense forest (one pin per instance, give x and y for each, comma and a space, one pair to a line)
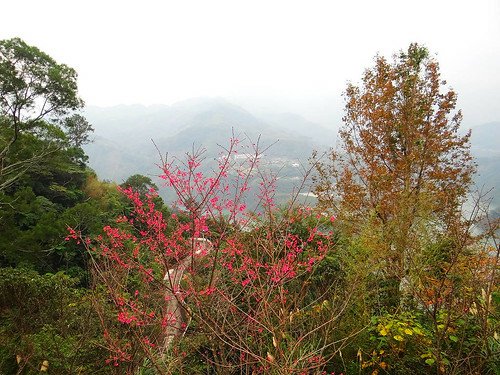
391, 272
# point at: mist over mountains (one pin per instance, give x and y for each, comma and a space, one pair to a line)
484, 146
124, 135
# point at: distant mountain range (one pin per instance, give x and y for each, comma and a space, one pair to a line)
124, 136
123, 133
486, 149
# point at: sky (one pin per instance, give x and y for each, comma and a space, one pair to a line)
268, 55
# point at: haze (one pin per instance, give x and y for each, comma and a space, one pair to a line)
265, 55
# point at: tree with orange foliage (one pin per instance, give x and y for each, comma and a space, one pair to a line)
403, 161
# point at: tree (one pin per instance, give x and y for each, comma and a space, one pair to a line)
42, 166
77, 130
404, 163
33, 87
141, 184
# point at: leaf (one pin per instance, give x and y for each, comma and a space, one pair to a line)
430, 361
398, 338
453, 338
417, 330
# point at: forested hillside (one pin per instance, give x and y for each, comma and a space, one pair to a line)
204, 253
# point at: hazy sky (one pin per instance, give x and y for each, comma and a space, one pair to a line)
265, 54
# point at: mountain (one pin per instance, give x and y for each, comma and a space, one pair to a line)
300, 126
484, 140
124, 135
486, 150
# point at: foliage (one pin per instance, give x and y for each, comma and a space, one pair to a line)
141, 184
402, 142
397, 187
77, 130
404, 163
45, 318
32, 87
399, 341
34, 219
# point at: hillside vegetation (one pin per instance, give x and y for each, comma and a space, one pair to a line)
217, 250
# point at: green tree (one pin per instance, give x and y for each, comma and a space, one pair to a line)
139, 183
78, 130
33, 87
43, 169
